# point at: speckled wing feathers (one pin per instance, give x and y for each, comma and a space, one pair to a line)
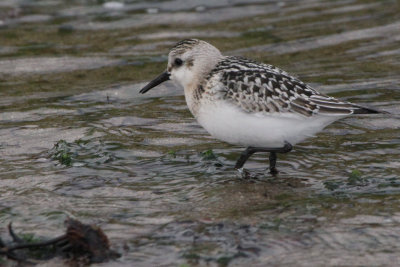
259, 87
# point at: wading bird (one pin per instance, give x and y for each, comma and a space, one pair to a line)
247, 103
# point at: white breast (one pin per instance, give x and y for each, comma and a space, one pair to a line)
229, 123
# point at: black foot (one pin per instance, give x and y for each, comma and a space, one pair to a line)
244, 174
272, 158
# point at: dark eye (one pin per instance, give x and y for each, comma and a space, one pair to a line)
178, 62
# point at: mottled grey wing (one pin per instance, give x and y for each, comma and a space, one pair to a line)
270, 90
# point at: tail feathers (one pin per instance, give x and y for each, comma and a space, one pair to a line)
366, 110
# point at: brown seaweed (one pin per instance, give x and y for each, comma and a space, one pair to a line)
81, 242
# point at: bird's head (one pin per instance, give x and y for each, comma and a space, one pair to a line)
189, 61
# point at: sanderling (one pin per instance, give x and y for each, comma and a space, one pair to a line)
247, 103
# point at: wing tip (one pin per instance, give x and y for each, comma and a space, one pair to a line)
368, 110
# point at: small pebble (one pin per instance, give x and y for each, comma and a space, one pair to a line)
152, 10
65, 28
200, 8
113, 5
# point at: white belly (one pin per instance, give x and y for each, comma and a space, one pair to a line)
229, 123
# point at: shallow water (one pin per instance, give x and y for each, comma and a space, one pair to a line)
78, 140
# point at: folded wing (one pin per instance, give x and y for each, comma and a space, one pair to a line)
264, 88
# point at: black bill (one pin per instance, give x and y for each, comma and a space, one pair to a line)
160, 79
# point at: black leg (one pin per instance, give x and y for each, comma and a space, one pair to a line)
272, 163
244, 157
272, 157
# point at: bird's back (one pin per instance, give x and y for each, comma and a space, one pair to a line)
263, 88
